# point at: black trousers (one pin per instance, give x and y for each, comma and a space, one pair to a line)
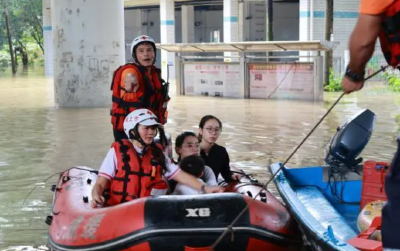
391, 211
118, 135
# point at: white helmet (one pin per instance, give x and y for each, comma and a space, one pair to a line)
140, 116
141, 39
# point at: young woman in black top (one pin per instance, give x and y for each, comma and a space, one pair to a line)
214, 155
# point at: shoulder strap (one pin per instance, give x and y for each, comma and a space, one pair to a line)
164, 85
148, 88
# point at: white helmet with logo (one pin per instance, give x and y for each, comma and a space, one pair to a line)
140, 116
142, 39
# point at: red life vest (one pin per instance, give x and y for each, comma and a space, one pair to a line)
136, 177
152, 94
390, 35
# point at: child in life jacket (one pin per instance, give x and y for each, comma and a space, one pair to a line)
193, 165
137, 167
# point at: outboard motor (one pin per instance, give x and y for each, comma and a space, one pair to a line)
349, 141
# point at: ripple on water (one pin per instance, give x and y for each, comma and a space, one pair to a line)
27, 248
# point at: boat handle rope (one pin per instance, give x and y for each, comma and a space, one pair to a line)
230, 227
51, 176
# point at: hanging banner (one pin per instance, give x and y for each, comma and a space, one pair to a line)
282, 80
219, 80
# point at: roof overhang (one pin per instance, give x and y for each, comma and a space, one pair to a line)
258, 46
156, 3
139, 3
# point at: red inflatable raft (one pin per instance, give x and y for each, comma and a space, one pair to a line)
168, 222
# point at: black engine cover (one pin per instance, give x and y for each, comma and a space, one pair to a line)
351, 138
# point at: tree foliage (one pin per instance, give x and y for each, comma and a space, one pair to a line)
25, 24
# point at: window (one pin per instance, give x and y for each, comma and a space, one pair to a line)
215, 36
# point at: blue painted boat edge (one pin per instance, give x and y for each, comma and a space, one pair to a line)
314, 176
301, 214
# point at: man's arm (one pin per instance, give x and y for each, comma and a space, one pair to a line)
362, 45
129, 81
362, 41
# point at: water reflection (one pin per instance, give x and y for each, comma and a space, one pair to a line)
37, 140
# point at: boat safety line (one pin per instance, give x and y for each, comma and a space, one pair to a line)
51, 176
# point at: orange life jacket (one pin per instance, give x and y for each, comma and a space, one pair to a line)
390, 35
136, 177
152, 94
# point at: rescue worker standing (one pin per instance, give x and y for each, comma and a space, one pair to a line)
138, 85
378, 19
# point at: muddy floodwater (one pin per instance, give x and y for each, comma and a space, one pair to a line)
37, 140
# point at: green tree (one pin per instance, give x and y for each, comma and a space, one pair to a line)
26, 26
28, 19
6, 8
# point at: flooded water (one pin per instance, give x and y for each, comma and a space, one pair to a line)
38, 140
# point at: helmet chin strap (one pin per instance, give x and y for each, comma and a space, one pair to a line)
136, 136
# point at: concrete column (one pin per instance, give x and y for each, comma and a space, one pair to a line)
305, 8
312, 14
188, 24
318, 78
242, 23
47, 38
167, 22
231, 25
89, 46
311, 22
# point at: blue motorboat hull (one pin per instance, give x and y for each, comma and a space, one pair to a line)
325, 207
